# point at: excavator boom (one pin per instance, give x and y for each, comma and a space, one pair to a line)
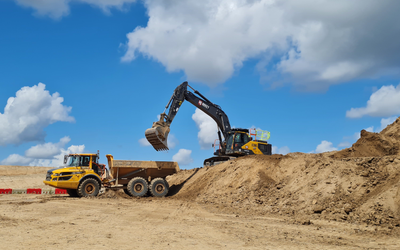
157, 135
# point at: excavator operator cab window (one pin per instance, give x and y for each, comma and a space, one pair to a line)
241, 138
229, 142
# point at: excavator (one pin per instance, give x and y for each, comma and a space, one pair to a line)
236, 142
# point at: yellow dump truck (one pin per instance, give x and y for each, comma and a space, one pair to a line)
83, 175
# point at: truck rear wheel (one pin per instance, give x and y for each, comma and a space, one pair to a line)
159, 187
88, 187
72, 192
137, 187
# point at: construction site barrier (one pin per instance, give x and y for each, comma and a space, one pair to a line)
34, 191
5, 191
48, 191
19, 191
60, 191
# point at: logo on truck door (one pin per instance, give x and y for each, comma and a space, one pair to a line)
201, 103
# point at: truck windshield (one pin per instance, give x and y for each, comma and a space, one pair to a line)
73, 161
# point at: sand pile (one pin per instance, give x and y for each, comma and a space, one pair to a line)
387, 142
360, 184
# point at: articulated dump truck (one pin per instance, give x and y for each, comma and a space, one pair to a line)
83, 175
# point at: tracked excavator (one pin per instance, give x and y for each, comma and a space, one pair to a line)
236, 142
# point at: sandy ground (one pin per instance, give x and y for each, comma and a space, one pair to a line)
49, 222
117, 221
349, 199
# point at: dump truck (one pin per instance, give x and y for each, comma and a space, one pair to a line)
83, 175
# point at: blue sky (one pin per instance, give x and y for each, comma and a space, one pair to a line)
288, 68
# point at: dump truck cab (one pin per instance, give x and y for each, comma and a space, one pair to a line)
78, 169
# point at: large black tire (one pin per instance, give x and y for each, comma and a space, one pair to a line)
159, 187
137, 187
88, 187
72, 192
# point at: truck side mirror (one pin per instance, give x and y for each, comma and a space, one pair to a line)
65, 159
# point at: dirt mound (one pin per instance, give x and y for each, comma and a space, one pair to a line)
317, 186
387, 142
360, 184
113, 194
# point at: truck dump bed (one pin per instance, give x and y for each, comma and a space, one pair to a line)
123, 170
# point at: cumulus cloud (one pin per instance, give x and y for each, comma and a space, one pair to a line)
313, 43
56, 9
183, 157
207, 129
344, 144
16, 159
386, 121
325, 146
144, 142
283, 150
33, 156
29, 112
384, 102
47, 150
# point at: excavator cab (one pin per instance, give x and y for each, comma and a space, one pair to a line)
236, 140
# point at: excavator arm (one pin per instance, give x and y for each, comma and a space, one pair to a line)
157, 135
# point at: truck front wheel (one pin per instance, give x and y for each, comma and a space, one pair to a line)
159, 187
88, 187
137, 187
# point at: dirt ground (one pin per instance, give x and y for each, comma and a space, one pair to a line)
348, 199
120, 222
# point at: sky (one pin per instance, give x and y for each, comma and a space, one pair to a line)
87, 75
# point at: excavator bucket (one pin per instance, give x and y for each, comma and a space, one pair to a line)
157, 135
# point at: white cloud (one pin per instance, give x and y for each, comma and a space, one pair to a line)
29, 112
315, 43
325, 146
207, 129
183, 157
56, 9
57, 159
344, 144
386, 121
144, 142
172, 141
283, 150
383, 102
16, 159
47, 150
53, 8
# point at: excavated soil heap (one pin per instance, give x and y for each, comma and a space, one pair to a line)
387, 142
359, 184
